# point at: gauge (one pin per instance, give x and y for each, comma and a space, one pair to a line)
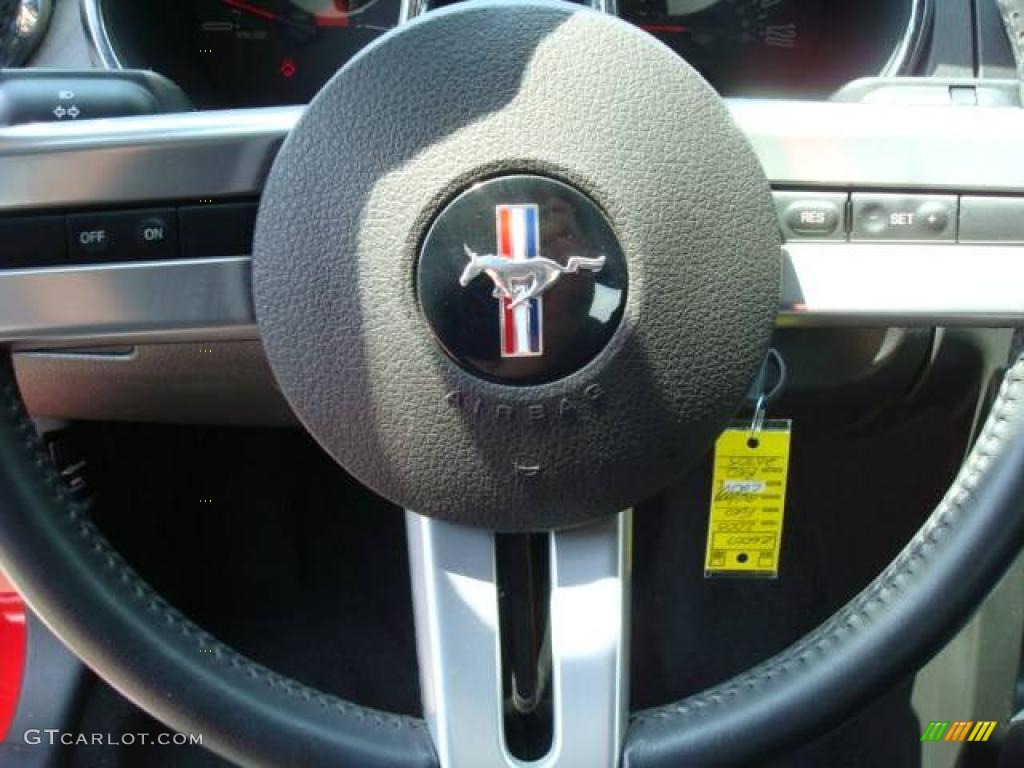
777, 47
22, 25
250, 53
238, 53
282, 51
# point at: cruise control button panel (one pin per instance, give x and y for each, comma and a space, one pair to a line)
812, 215
903, 218
207, 230
144, 235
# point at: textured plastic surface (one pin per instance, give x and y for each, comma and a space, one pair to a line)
472, 92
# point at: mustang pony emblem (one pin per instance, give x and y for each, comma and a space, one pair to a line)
521, 281
521, 276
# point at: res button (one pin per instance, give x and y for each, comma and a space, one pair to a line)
811, 215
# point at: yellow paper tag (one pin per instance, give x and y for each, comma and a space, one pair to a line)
748, 500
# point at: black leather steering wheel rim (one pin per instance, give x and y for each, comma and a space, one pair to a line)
97, 604
893, 627
132, 638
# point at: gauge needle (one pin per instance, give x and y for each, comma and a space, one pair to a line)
269, 15
674, 28
252, 10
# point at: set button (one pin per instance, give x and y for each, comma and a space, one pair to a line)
902, 218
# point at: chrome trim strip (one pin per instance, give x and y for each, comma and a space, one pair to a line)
131, 160
153, 301
906, 285
886, 146
591, 574
455, 603
410, 9
854, 284
96, 31
604, 6
193, 156
908, 50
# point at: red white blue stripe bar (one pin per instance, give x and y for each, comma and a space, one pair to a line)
519, 240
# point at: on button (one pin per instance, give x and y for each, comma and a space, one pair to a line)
152, 231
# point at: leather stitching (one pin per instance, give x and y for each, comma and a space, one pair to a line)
76, 514
881, 592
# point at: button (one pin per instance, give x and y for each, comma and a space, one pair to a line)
95, 240
935, 217
217, 230
991, 220
32, 241
904, 217
812, 215
144, 235
152, 231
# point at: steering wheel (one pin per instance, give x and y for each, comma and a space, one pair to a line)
514, 269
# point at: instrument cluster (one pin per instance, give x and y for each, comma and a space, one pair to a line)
245, 53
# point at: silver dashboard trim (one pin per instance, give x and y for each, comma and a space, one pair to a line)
455, 602
908, 50
131, 160
196, 155
885, 146
212, 155
201, 299
865, 284
99, 38
853, 284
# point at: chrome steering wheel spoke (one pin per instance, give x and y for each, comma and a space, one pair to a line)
459, 642
157, 160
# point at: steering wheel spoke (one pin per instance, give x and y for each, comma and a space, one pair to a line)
459, 641
199, 156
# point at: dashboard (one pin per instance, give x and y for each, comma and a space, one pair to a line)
248, 53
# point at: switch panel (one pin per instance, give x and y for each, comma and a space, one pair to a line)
143, 235
904, 218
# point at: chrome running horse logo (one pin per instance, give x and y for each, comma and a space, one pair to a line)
521, 281
521, 276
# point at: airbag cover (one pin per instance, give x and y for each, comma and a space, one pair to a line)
479, 91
